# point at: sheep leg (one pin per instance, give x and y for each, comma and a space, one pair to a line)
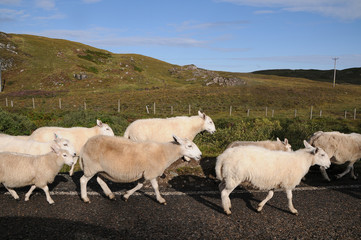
353, 176
261, 204
13, 193
348, 169
290, 204
133, 190
71, 171
47, 194
324, 173
225, 191
160, 199
83, 185
105, 188
27, 195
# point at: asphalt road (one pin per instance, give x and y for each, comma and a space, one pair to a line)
326, 211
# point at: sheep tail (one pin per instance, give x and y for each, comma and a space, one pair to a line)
126, 134
218, 169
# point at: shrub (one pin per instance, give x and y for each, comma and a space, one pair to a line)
15, 124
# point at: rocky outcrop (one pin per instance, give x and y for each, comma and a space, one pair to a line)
193, 73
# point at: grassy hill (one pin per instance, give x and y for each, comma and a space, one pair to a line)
82, 76
350, 75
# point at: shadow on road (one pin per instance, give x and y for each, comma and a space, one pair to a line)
49, 228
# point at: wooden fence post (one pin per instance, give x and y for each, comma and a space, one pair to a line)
154, 108
230, 111
118, 105
354, 114
247, 112
189, 109
320, 113
33, 103
171, 110
295, 113
11, 103
6, 102
146, 107
60, 103
345, 114
311, 112
273, 112
266, 111
84, 105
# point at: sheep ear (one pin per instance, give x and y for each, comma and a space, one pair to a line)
307, 145
202, 115
278, 140
99, 123
177, 139
286, 141
55, 148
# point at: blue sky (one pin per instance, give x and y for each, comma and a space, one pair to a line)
226, 35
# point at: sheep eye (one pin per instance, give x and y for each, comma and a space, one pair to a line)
189, 146
65, 144
64, 155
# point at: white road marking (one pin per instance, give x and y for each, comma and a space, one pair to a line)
178, 193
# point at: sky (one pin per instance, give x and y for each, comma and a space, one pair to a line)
223, 35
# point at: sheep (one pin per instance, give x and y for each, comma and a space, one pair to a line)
271, 145
76, 135
19, 170
122, 160
15, 144
341, 148
266, 170
161, 129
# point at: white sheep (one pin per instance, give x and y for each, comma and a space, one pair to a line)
122, 160
161, 129
18, 144
341, 148
266, 170
271, 145
19, 170
76, 135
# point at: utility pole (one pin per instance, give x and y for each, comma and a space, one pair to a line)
1, 85
334, 71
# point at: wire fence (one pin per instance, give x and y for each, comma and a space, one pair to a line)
174, 109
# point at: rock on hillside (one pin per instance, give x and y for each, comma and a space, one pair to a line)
193, 73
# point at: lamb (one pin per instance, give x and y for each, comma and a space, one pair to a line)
15, 144
341, 148
19, 170
271, 145
122, 160
76, 135
266, 170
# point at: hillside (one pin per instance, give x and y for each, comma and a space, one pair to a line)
350, 75
82, 76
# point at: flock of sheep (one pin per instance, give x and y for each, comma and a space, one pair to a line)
149, 146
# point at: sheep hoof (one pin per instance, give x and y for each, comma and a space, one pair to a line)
295, 213
86, 200
259, 209
111, 196
125, 199
164, 203
228, 212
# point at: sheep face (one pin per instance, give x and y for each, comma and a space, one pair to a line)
188, 148
105, 129
65, 145
288, 146
64, 154
321, 158
208, 123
